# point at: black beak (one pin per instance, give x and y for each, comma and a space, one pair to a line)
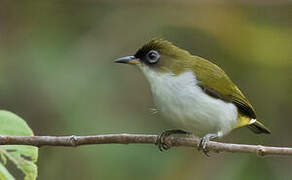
128, 60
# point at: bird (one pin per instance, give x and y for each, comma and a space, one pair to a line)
192, 93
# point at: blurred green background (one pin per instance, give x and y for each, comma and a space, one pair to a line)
57, 72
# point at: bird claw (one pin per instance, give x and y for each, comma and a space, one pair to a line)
203, 145
161, 140
204, 141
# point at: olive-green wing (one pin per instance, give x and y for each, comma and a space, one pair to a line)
214, 81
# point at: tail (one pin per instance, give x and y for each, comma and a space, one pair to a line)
258, 128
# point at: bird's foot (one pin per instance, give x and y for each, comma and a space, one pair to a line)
161, 143
204, 141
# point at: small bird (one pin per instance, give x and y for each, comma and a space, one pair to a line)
193, 93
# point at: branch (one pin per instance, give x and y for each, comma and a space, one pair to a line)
74, 141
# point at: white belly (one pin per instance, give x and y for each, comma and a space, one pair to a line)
183, 102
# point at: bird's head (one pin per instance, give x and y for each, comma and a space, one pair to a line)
160, 56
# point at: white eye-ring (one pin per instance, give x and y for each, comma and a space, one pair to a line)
152, 57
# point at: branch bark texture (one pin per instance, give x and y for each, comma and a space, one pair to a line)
73, 141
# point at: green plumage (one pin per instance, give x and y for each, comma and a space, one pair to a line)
212, 79
215, 82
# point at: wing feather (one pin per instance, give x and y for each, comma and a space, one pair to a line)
214, 81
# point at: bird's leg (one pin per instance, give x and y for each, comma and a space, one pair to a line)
160, 142
203, 143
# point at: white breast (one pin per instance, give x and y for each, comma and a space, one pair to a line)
183, 102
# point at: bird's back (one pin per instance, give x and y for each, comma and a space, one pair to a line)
214, 81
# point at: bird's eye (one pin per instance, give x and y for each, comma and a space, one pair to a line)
152, 57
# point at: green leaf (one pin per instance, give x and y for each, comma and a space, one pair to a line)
3, 158
4, 174
24, 157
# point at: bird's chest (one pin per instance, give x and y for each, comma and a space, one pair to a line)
182, 101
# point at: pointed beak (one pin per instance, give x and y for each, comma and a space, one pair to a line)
128, 60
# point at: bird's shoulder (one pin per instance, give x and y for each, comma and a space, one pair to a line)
215, 82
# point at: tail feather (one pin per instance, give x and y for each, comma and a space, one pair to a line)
258, 128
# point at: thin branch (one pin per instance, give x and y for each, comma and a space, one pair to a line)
74, 141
